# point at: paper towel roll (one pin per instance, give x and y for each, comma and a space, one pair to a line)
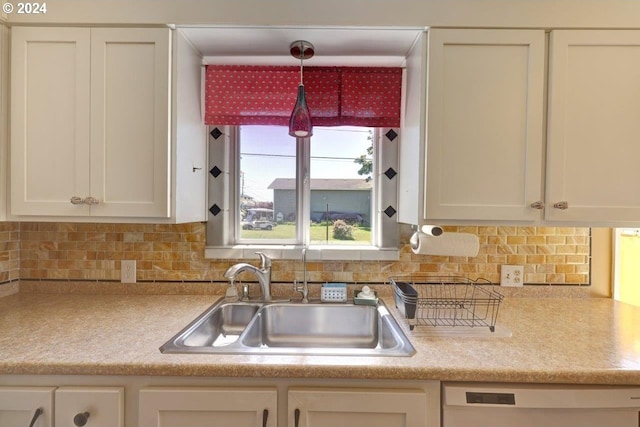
447, 244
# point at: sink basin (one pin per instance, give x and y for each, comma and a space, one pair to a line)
292, 328
219, 326
318, 325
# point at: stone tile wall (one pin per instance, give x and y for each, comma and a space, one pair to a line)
9, 251
78, 251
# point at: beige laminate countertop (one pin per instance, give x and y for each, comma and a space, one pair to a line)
554, 340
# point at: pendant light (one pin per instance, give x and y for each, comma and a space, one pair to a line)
300, 122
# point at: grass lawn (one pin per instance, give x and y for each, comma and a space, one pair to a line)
362, 235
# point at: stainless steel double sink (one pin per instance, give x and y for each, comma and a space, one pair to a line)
258, 328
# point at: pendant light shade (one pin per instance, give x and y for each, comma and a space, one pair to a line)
300, 125
300, 122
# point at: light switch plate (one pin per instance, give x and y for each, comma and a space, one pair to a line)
511, 275
128, 271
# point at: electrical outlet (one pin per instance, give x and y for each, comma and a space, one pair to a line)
511, 275
128, 271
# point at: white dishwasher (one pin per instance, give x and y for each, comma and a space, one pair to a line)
506, 405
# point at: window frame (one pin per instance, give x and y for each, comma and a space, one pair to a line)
302, 167
223, 229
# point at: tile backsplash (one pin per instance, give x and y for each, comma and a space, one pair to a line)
80, 251
9, 251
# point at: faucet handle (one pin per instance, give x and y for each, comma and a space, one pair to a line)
265, 261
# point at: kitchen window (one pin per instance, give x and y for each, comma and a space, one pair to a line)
334, 193
270, 191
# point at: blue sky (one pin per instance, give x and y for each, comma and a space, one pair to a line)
332, 152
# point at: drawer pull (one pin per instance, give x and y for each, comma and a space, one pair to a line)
561, 205
81, 419
38, 412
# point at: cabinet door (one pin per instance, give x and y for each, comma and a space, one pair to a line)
4, 108
593, 126
208, 407
97, 406
130, 134
484, 124
49, 120
312, 407
18, 406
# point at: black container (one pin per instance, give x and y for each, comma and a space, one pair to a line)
406, 297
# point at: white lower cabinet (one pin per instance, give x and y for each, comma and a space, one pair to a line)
26, 406
305, 407
151, 401
72, 406
208, 407
314, 407
90, 406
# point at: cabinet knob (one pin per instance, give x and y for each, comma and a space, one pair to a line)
75, 200
537, 205
561, 205
90, 201
81, 419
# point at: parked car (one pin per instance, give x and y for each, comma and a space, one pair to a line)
258, 225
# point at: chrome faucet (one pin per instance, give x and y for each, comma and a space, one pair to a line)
263, 274
304, 289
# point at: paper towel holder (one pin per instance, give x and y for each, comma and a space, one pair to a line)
430, 230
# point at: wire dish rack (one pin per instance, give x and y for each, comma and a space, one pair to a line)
446, 301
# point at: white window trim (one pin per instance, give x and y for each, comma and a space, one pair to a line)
314, 252
222, 232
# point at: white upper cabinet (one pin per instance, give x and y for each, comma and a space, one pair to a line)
4, 108
484, 125
130, 111
411, 158
50, 130
479, 144
90, 123
594, 127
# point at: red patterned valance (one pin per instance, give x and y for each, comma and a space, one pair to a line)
336, 96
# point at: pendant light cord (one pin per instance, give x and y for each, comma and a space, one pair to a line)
301, 60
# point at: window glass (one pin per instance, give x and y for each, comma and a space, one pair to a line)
341, 173
267, 187
262, 177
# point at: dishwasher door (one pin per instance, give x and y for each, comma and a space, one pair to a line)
500, 405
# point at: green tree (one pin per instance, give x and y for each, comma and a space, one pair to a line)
366, 160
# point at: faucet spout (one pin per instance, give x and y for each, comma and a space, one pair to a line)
263, 274
304, 289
